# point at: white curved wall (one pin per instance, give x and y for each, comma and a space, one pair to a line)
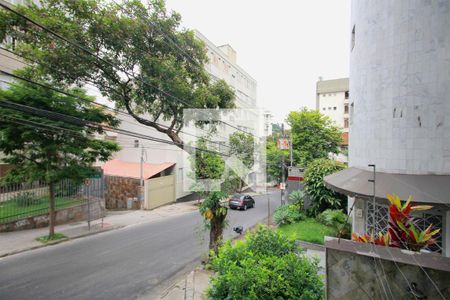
400, 86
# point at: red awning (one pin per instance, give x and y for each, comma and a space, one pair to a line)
133, 170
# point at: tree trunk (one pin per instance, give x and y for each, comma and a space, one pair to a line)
216, 233
51, 211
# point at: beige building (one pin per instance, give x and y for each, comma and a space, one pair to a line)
223, 65
332, 100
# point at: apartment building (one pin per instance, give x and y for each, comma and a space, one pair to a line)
399, 85
223, 65
332, 100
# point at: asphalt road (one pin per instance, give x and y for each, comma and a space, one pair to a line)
136, 261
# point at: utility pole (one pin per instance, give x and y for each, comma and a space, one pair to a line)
141, 182
283, 181
374, 197
291, 150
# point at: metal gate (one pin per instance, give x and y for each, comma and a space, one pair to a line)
159, 191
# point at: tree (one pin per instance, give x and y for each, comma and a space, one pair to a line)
210, 166
242, 145
274, 159
133, 53
314, 136
57, 149
323, 198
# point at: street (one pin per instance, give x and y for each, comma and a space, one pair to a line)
127, 263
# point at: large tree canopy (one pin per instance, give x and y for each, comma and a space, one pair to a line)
50, 150
314, 136
135, 54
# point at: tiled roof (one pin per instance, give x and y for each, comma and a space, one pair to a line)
120, 168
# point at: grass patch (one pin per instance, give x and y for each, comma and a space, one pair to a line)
10, 210
45, 239
308, 230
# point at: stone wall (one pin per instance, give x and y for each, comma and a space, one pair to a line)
65, 215
118, 190
363, 271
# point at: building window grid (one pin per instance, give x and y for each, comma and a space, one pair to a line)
423, 220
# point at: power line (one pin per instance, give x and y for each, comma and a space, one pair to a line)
92, 102
86, 50
83, 122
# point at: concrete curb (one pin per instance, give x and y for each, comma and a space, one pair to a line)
310, 246
59, 241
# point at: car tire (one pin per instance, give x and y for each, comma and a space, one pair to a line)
245, 207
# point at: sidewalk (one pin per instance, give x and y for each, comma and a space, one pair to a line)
191, 288
194, 285
19, 241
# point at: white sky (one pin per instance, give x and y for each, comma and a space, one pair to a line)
285, 44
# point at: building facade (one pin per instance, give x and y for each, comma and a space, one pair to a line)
332, 100
223, 65
399, 113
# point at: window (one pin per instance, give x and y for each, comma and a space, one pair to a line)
346, 94
136, 143
334, 108
346, 123
324, 95
345, 108
353, 38
324, 108
329, 108
352, 107
380, 223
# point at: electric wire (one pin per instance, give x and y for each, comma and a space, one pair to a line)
83, 122
87, 51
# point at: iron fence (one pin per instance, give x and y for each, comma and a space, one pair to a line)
19, 201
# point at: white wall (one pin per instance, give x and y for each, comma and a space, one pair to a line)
400, 86
154, 152
221, 66
332, 105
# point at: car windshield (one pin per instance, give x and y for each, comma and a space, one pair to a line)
237, 196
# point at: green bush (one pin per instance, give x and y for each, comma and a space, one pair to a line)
25, 199
288, 214
264, 266
322, 198
263, 242
297, 198
335, 218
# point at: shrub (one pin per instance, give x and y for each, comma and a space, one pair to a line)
25, 199
335, 218
297, 198
287, 214
264, 267
263, 242
322, 198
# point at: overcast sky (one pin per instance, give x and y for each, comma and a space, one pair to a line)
285, 44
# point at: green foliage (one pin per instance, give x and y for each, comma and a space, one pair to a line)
25, 199
287, 214
332, 217
309, 230
267, 242
314, 135
274, 159
47, 238
213, 205
51, 155
322, 198
336, 218
138, 70
264, 267
297, 198
242, 145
